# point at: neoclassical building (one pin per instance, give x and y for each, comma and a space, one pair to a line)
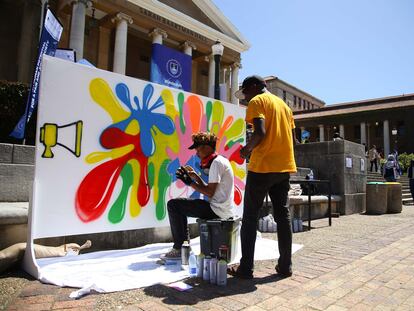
385, 122
117, 35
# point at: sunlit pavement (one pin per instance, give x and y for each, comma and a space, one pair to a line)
361, 262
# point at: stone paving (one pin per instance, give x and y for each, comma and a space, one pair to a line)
360, 263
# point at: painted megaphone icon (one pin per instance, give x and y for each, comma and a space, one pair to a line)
68, 136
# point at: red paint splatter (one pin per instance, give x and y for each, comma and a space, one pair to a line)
235, 156
237, 195
97, 187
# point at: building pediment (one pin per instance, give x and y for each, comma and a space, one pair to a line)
201, 16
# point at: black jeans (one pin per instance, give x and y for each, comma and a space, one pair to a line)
179, 210
412, 187
374, 163
257, 186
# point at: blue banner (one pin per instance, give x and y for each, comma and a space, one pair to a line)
170, 67
51, 32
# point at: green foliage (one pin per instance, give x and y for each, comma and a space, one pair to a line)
404, 159
13, 97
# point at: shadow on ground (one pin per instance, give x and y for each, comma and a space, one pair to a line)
204, 291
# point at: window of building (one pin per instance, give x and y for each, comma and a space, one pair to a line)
284, 95
400, 128
378, 129
299, 102
294, 101
357, 132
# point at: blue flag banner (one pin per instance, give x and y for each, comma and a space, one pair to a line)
49, 39
170, 67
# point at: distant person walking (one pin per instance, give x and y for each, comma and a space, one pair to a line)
399, 170
271, 161
390, 169
411, 177
372, 157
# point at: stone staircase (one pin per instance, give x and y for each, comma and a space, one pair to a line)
16, 178
406, 194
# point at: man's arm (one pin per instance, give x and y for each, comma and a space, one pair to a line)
206, 189
257, 137
294, 139
199, 185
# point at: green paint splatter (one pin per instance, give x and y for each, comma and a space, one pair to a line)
164, 181
232, 142
217, 117
151, 175
209, 108
117, 211
180, 109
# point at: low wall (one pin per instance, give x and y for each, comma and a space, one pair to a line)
344, 164
16, 172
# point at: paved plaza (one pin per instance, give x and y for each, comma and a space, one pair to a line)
360, 263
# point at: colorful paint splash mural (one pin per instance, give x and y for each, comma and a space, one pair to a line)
145, 144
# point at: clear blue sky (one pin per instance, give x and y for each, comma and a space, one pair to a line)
336, 50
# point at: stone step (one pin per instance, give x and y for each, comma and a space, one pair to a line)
13, 223
16, 182
17, 154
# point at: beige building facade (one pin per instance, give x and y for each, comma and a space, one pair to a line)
296, 99
384, 122
118, 36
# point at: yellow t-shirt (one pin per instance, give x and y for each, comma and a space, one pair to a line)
274, 154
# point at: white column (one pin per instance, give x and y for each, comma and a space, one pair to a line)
188, 47
24, 62
321, 132
342, 131
363, 133
386, 138
211, 70
120, 52
235, 81
77, 28
158, 35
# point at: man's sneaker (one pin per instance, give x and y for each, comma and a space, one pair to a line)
283, 274
172, 254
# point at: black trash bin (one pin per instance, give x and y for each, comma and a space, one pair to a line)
218, 232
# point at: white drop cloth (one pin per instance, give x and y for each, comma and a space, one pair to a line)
117, 270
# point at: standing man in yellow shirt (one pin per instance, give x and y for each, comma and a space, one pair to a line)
271, 162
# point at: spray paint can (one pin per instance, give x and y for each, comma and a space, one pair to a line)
213, 270
222, 272
224, 253
185, 253
200, 265
206, 268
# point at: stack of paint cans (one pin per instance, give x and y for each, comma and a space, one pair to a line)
213, 269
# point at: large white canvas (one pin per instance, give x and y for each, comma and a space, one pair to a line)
71, 93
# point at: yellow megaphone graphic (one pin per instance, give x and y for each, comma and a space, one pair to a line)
49, 137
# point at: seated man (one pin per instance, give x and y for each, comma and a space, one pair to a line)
220, 190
